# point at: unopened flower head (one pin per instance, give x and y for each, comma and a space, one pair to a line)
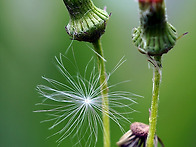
155, 36
76, 105
87, 22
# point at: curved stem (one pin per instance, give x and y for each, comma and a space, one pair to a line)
104, 92
154, 105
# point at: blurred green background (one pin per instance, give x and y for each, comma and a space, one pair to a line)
32, 33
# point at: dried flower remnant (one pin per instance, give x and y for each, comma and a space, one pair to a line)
137, 136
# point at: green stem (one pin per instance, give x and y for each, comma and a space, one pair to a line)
104, 92
154, 105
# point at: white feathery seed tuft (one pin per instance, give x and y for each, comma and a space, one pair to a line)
76, 104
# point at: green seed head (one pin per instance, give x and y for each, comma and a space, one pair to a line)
87, 22
155, 36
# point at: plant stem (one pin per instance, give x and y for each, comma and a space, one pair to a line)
104, 92
155, 98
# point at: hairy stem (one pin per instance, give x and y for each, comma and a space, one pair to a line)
104, 92
155, 98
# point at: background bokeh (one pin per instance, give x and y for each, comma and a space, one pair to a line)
32, 33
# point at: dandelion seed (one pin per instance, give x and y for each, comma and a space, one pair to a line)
76, 105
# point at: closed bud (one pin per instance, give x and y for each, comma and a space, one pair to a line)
87, 22
155, 36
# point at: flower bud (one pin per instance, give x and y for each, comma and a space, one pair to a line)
155, 36
87, 22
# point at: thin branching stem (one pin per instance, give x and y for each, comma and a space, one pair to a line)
155, 98
104, 92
